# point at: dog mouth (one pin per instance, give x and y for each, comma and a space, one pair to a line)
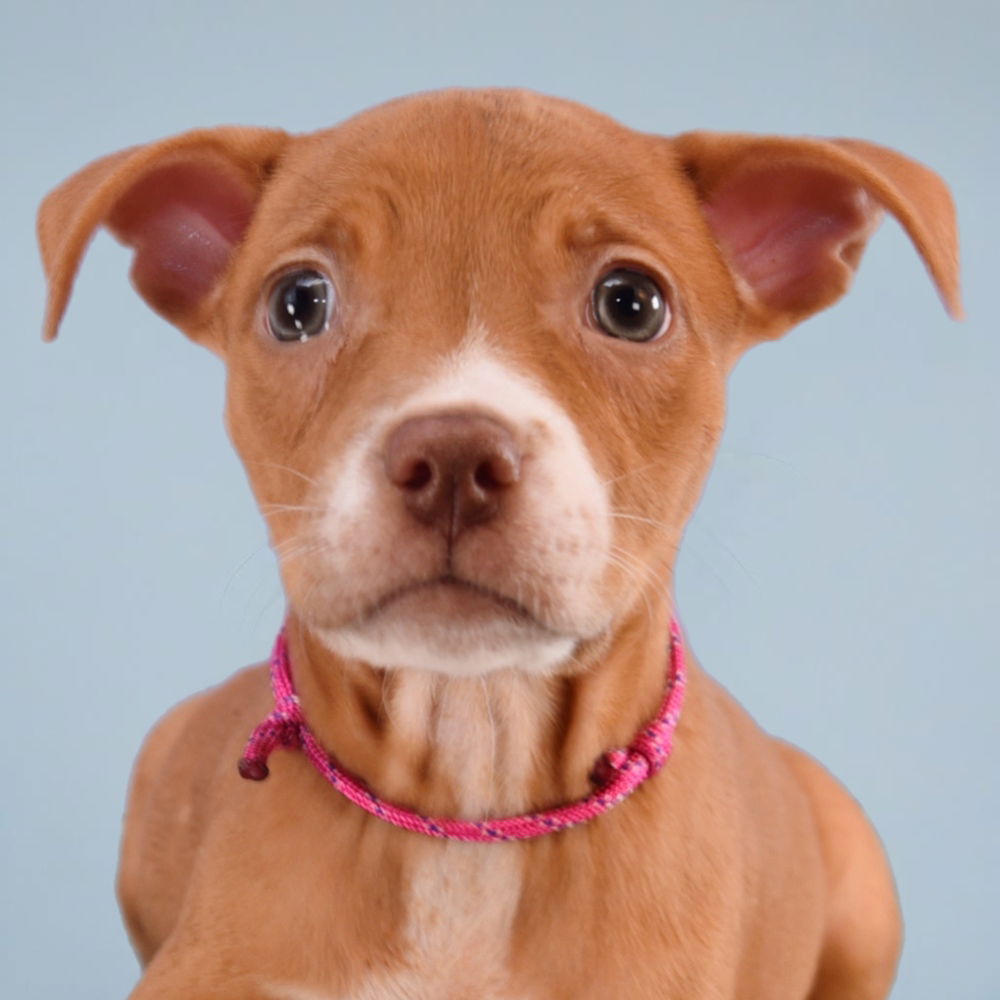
450, 597
449, 624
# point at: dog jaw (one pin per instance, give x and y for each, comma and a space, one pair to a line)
519, 591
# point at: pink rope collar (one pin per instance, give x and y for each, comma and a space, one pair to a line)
617, 774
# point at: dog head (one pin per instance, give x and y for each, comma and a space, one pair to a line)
476, 343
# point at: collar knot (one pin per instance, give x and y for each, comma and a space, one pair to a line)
617, 773
654, 744
280, 728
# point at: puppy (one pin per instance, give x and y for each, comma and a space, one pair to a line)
477, 345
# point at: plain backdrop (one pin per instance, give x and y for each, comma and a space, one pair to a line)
839, 577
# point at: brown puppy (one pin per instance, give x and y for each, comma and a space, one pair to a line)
477, 345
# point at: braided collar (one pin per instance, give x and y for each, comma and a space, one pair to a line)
617, 773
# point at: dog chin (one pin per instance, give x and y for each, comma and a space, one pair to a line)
454, 648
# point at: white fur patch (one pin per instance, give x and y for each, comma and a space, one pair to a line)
450, 650
459, 923
461, 899
550, 557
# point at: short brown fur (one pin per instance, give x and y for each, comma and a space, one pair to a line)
743, 870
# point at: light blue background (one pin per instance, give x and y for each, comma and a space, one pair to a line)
840, 576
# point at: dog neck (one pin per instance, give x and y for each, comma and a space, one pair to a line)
470, 747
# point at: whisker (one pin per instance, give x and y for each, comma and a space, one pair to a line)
731, 450
631, 572
307, 548
283, 508
701, 525
696, 525
242, 565
650, 572
267, 606
634, 472
294, 540
288, 468
287, 544
691, 549
648, 575
623, 516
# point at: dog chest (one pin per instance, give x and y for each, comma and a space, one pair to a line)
458, 928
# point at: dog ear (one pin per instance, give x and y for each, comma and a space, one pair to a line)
792, 217
182, 204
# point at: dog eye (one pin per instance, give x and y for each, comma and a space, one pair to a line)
299, 305
630, 305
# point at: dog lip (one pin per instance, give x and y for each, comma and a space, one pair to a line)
459, 583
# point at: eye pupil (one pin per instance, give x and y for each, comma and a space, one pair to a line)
630, 306
299, 306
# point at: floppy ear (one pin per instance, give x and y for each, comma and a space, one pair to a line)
792, 217
182, 204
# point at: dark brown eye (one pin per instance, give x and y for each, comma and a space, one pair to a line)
300, 305
629, 305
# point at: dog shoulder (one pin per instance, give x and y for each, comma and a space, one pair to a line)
202, 726
863, 923
170, 799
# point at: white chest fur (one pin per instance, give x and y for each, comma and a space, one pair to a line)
458, 928
461, 899
461, 904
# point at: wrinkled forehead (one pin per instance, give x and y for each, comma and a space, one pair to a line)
460, 169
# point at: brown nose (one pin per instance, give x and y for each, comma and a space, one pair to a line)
453, 469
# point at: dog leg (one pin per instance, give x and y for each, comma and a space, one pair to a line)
864, 928
166, 981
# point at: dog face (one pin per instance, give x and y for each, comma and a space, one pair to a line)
476, 344
461, 288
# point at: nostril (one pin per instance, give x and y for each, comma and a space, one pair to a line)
485, 476
421, 474
500, 469
495, 472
